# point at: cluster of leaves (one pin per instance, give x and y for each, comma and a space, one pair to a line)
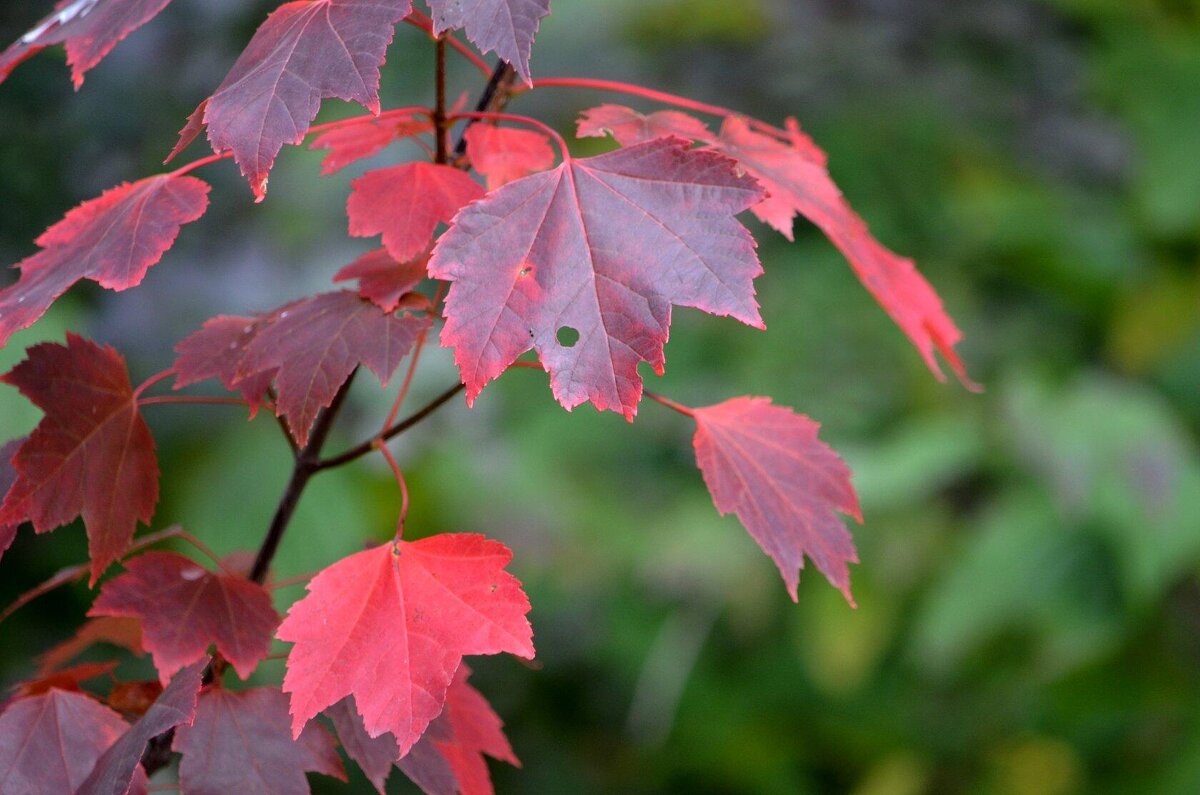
579, 261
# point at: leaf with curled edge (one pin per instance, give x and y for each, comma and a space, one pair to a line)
354, 142
405, 204
602, 245
50, 742
112, 240
382, 279
184, 609
123, 632
118, 767
303, 53
241, 743
313, 345
502, 154
91, 455
467, 729
8, 476
391, 625
798, 182
628, 127
765, 464
89, 28
215, 351
506, 27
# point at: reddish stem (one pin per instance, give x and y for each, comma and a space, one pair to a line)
657, 96
151, 381
363, 118
671, 404
422, 22
515, 119
190, 400
412, 367
381, 446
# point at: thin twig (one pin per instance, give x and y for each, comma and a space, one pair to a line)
358, 451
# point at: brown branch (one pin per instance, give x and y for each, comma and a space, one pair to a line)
359, 451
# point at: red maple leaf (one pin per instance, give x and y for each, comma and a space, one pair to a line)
502, 154
91, 455
123, 632
390, 626
119, 766
765, 464
470, 729
356, 142
375, 755
304, 52
8, 476
313, 345
629, 127
405, 203
241, 742
449, 756
184, 609
798, 182
113, 240
50, 742
382, 279
89, 28
506, 27
604, 246
215, 351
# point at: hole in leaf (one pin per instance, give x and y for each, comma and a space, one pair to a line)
567, 336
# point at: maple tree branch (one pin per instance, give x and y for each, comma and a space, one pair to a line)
494, 97
307, 464
359, 451
439, 112
422, 22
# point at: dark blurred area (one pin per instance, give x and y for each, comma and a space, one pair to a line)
1028, 602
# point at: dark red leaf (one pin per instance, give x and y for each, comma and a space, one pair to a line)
215, 351
89, 28
123, 632
92, 454
66, 679
375, 755
134, 698
185, 608
8, 476
467, 729
304, 52
382, 279
629, 127
390, 626
797, 181
118, 766
765, 464
314, 344
603, 246
50, 742
405, 204
112, 240
356, 142
506, 27
240, 742
502, 154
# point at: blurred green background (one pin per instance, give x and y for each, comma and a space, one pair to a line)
1029, 607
